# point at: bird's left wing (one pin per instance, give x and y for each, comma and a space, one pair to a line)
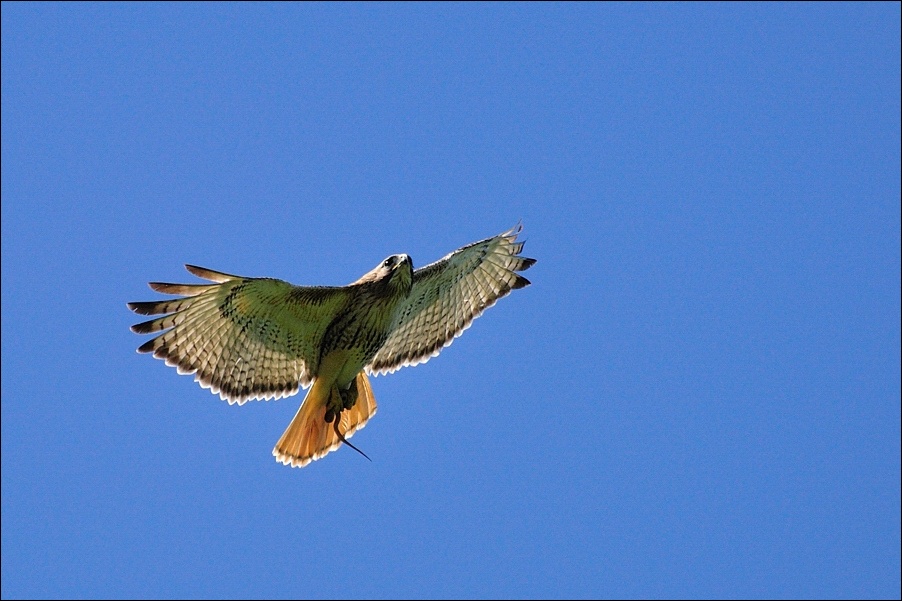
244, 338
447, 296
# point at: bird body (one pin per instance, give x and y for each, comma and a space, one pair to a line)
262, 338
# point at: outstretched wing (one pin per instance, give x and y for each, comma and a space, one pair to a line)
244, 338
447, 296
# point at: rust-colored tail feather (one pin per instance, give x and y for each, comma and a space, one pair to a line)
309, 437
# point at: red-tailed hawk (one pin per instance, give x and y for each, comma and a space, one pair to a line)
262, 338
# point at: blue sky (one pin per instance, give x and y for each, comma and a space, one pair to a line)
699, 395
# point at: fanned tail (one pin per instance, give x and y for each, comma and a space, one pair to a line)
309, 437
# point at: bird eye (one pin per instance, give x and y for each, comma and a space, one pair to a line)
388, 262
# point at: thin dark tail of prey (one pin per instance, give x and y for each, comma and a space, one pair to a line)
345, 440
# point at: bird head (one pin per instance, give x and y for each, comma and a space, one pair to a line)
395, 271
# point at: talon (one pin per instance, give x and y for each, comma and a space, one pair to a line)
349, 396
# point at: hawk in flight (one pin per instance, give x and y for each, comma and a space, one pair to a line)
262, 338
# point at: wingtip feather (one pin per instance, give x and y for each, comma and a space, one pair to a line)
520, 282
180, 289
147, 347
209, 274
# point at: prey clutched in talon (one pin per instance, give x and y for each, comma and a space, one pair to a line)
342, 400
349, 395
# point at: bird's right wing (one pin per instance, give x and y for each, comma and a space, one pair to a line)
244, 338
447, 296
